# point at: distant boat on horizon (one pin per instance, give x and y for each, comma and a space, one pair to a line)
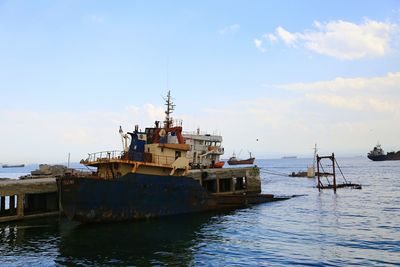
13, 166
289, 157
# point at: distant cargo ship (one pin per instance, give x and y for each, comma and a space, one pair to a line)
13, 166
377, 154
289, 157
234, 161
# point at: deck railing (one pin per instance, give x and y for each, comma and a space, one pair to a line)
105, 156
216, 149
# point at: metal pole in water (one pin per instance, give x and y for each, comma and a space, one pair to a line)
334, 172
315, 158
319, 181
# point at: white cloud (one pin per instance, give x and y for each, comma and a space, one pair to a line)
336, 101
258, 43
344, 40
338, 114
132, 109
231, 29
365, 102
377, 94
154, 113
48, 137
389, 106
288, 38
80, 136
391, 81
271, 38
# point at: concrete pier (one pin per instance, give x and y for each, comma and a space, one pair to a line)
27, 199
228, 180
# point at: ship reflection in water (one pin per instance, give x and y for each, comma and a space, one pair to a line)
146, 242
142, 243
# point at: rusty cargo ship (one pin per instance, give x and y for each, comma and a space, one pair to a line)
162, 172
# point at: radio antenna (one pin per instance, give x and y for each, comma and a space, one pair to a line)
170, 108
167, 74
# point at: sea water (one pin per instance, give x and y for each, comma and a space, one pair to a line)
351, 227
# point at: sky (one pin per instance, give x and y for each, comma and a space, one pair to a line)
272, 77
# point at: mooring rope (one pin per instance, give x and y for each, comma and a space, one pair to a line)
274, 173
322, 167
341, 171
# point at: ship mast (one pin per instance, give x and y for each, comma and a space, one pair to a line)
315, 156
170, 108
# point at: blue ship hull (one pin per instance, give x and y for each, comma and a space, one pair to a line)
137, 196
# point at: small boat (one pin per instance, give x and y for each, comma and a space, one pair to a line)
289, 157
13, 166
234, 161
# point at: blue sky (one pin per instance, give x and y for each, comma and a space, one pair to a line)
288, 73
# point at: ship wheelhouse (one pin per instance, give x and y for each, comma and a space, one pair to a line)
205, 149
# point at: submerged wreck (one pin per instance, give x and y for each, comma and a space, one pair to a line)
162, 172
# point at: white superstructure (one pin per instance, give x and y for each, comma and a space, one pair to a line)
205, 149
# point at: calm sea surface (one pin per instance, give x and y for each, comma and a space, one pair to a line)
351, 227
